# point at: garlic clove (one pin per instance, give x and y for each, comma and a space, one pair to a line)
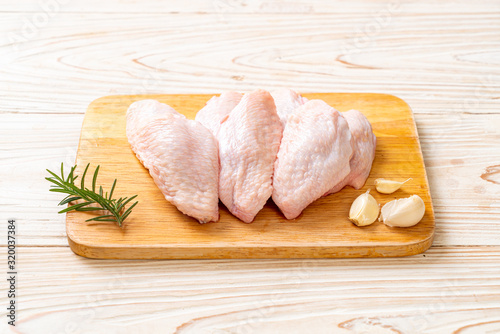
403, 212
388, 186
364, 210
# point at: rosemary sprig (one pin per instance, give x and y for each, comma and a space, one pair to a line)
92, 200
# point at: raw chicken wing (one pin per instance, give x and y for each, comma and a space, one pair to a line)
313, 157
248, 144
180, 154
363, 143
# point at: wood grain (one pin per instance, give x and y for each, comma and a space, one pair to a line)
446, 290
440, 57
246, 6
82, 56
156, 229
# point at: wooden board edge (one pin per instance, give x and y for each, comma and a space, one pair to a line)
415, 129
191, 253
134, 97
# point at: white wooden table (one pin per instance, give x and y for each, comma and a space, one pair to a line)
56, 56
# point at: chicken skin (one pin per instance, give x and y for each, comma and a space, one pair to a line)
364, 143
217, 109
180, 154
313, 157
249, 140
287, 101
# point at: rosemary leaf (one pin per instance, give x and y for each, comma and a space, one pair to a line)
95, 178
83, 177
89, 208
100, 199
74, 207
69, 199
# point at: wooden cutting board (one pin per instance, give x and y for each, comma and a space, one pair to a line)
157, 230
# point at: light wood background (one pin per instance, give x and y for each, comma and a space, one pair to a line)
443, 59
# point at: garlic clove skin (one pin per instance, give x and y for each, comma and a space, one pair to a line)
384, 186
403, 212
364, 210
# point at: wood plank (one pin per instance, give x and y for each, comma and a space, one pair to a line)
462, 159
244, 6
442, 58
76, 58
157, 230
31, 144
445, 290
